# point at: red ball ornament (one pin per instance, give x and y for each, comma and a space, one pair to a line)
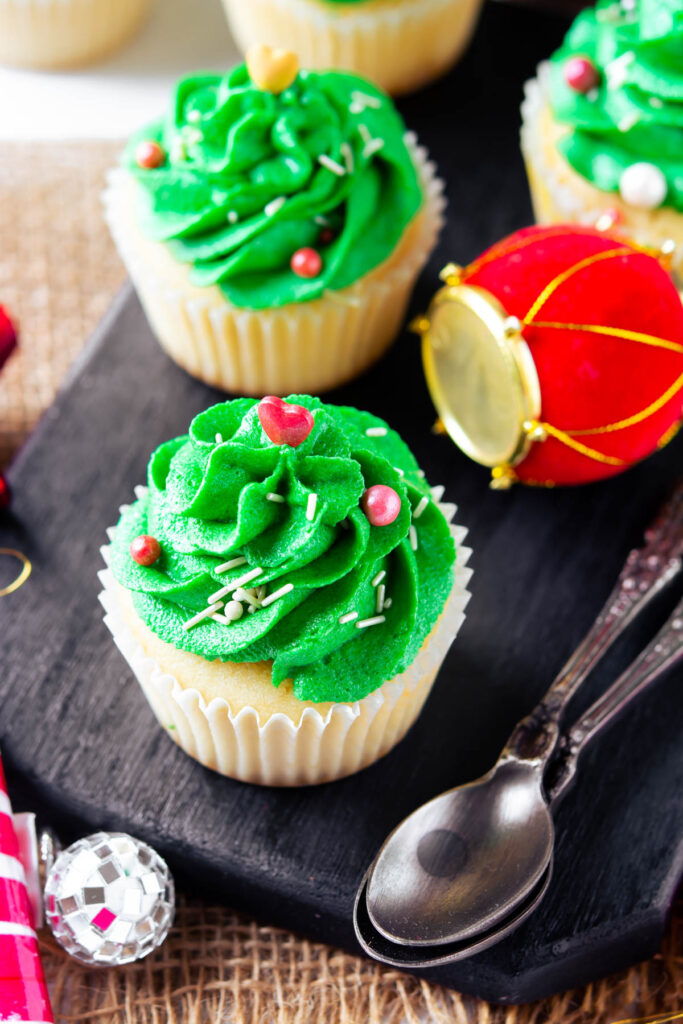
284, 422
8, 336
149, 154
145, 550
306, 263
581, 74
381, 505
5, 493
575, 355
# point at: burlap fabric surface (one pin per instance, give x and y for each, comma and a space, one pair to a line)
58, 273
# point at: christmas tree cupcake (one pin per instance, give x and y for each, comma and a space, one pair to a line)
285, 589
603, 122
399, 44
274, 223
65, 33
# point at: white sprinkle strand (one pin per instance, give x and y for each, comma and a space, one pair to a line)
378, 578
224, 591
372, 147
387, 603
219, 439
277, 594
310, 507
413, 538
205, 613
194, 116
422, 505
233, 216
332, 165
376, 432
655, 102
364, 133
379, 603
271, 208
399, 471
323, 222
368, 101
627, 122
232, 564
220, 618
421, 474
347, 153
245, 595
349, 617
377, 620
271, 496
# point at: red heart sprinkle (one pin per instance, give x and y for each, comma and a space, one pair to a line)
381, 505
284, 422
145, 550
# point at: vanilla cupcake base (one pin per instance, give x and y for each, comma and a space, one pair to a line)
560, 195
305, 347
230, 717
65, 33
398, 44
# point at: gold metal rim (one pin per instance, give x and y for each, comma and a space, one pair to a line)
24, 572
516, 372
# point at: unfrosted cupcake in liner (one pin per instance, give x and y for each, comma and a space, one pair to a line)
399, 44
602, 124
274, 237
285, 589
66, 33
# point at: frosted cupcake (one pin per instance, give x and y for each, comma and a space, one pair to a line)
399, 44
602, 131
65, 33
285, 589
274, 231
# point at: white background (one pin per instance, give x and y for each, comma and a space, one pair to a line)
109, 100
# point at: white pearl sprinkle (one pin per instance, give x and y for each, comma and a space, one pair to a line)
233, 611
643, 185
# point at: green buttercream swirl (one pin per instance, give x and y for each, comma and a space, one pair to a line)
637, 114
242, 187
207, 503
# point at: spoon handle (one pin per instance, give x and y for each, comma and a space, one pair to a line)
661, 654
646, 572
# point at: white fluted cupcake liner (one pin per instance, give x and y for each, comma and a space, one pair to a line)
65, 33
279, 751
306, 347
398, 44
560, 195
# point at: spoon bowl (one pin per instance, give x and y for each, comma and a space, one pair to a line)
460, 864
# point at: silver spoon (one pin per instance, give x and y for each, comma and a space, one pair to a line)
460, 866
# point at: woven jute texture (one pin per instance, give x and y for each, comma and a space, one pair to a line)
58, 273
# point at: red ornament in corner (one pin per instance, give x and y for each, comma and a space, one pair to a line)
8, 336
590, 328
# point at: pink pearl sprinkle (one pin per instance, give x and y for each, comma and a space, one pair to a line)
381, 505
581, 74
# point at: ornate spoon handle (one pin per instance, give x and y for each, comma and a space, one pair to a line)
646, 572
661, 654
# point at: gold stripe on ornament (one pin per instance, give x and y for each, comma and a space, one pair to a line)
637, 417
613, 332
558, 281
24, 573
591, 453
523, 243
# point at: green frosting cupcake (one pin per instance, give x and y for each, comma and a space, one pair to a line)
249, 177
226, 504
635, 114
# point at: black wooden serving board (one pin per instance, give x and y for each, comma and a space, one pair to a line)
82, 747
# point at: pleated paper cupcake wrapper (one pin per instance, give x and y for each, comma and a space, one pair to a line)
278, 752
398, 45
560, 195
306, 347
65, 33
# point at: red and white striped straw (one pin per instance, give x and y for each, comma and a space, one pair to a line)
23, 993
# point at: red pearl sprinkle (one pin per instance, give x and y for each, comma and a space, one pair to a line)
381, 504
581, 74
284, 422
326, 236
8, 336
5, 493
145, 550
306, 263
149, 154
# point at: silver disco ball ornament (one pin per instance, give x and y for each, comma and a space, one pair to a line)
109, 899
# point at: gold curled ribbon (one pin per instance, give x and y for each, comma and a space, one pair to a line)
24, 573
